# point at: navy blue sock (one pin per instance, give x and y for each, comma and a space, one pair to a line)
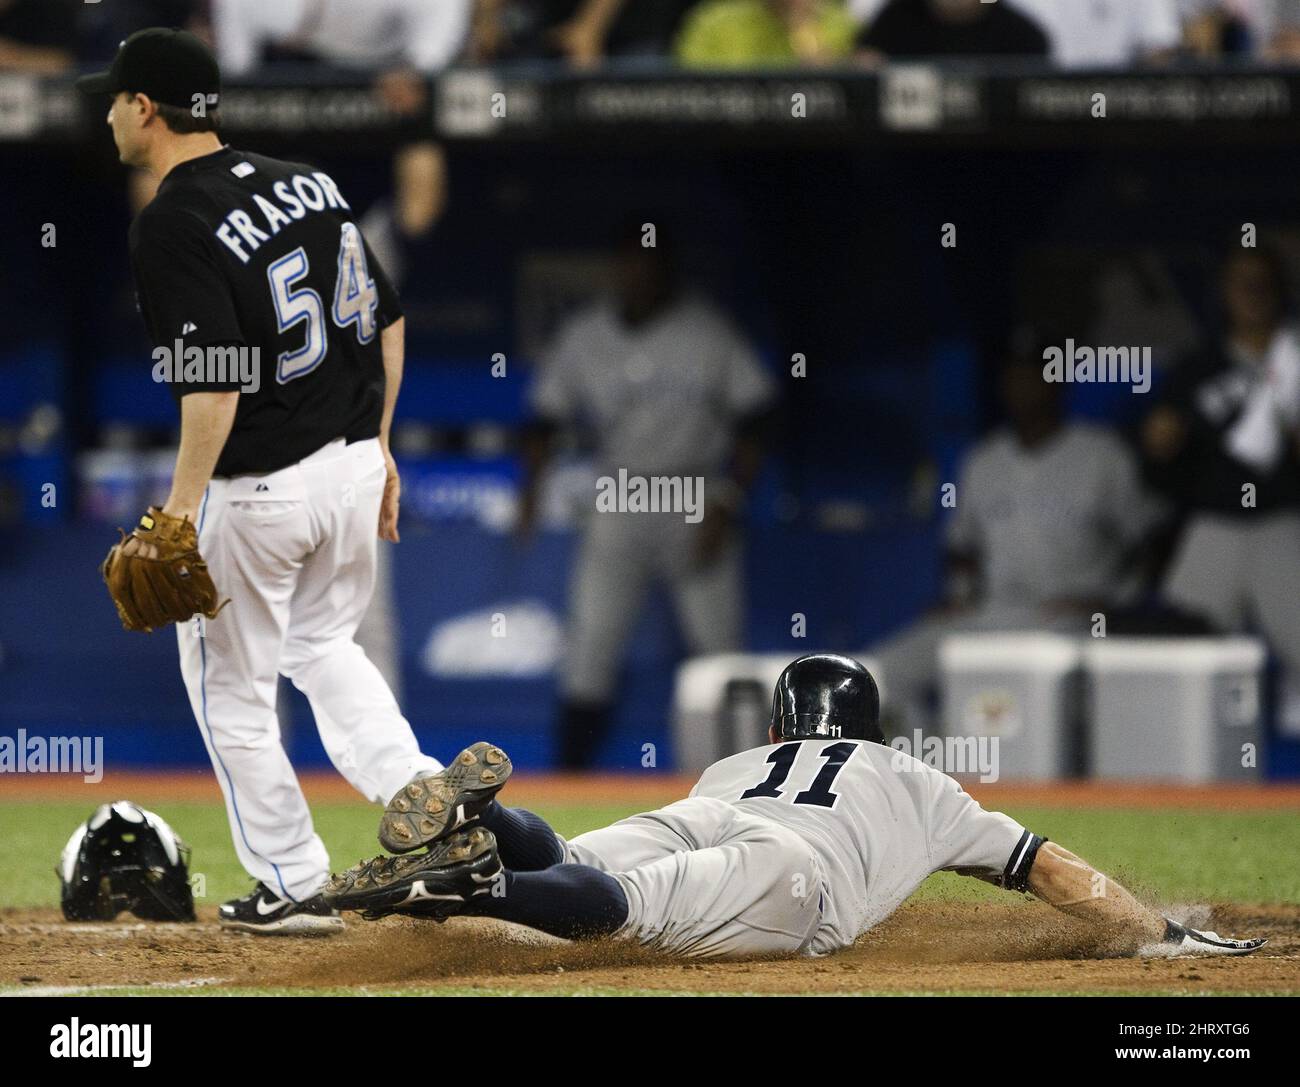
573, 901
524, 840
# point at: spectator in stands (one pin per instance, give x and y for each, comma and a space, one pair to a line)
516, 29
104, 25
670, 390
1269, 30
1048, 515
945, 28
1107, 33
421, 36
1225, 443
584, 32
764, 33
1216, 28
1080, 33
38, 36
624, 28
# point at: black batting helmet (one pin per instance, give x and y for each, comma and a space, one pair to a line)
824, 694
125, 858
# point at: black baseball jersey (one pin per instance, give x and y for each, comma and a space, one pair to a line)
251, 274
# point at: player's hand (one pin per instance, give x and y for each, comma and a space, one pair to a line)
134, 545
1180, 940
526, 516
1163, 434
390, 506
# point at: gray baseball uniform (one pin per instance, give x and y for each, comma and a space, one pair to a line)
661, 399
798, 847
1051, 523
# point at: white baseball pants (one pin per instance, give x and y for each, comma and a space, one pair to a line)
704, 878
294, 550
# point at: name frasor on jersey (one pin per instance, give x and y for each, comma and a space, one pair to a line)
314, 192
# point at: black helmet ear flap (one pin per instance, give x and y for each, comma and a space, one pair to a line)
826, 695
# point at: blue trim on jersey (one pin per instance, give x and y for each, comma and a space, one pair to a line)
212, 742
348, 288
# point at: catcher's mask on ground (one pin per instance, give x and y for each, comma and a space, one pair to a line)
824, 694
125, 858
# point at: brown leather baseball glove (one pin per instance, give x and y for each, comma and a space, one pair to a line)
162, 578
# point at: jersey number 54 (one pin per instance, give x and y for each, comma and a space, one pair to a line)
355, 302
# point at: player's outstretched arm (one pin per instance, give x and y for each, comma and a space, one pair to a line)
1073, 886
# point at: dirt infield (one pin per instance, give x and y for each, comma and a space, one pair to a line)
926, 947
653, 789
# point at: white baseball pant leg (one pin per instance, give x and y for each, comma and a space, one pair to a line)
294, 551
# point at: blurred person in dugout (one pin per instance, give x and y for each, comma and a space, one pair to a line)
764, 33
1048, 518
667, 388
1224, 444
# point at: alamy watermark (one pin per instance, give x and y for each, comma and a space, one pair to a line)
115, 1041
950, 754
194, 365
1085, 365
651, 494
26, 754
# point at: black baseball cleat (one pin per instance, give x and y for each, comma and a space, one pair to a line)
1180, 940
436, 884
435, 805
265, 913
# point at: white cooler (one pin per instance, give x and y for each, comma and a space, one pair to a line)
722, 704
1177, 709
1022, 688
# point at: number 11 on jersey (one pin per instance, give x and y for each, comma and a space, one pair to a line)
819, 792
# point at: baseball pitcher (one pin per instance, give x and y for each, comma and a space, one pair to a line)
281, 338
797, 847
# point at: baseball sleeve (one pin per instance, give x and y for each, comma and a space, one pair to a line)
964, 838
553, 395
962, 532
184, 297
1129, 511
748, 387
